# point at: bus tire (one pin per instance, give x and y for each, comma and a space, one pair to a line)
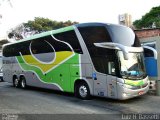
82, 91
23, 82
16, 82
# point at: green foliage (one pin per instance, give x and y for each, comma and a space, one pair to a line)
2, 42
40, 24
149, 19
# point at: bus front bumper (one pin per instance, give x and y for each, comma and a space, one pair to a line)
127, 93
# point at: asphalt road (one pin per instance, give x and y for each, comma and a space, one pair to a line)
34, 103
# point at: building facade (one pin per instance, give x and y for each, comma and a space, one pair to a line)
125, 19
151, 38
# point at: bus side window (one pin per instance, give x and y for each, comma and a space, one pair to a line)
71, 38
104, 60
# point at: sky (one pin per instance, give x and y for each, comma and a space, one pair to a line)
82, 11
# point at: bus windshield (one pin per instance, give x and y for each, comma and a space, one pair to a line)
133, 68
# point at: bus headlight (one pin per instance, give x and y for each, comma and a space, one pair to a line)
126, 94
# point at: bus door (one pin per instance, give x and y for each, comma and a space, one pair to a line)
112, 80
150, 55
100, 84
105, 84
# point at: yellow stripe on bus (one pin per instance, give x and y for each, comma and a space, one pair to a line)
60, 57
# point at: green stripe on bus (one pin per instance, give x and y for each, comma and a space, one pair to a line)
64, 75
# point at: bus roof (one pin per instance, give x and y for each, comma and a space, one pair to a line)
91, 24
61, 30
97, 24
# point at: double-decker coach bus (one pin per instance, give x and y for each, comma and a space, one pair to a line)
87, 59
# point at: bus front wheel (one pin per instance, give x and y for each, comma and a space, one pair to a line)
82, 91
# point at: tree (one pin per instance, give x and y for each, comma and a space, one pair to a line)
38, 25
149, 20
17, 32
2, 42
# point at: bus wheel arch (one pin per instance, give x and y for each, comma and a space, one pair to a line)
22, 81
16, 82
81, 89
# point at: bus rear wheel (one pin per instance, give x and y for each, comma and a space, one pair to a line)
23, 82
82, 91
16, 82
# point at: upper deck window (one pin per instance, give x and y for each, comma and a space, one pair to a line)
94, 34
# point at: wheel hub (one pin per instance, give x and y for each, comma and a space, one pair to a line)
83, 91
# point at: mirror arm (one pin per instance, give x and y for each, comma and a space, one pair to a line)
114, 45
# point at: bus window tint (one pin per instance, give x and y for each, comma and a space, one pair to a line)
71, 38
44, 44
101, 57
16, 49
95, 34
